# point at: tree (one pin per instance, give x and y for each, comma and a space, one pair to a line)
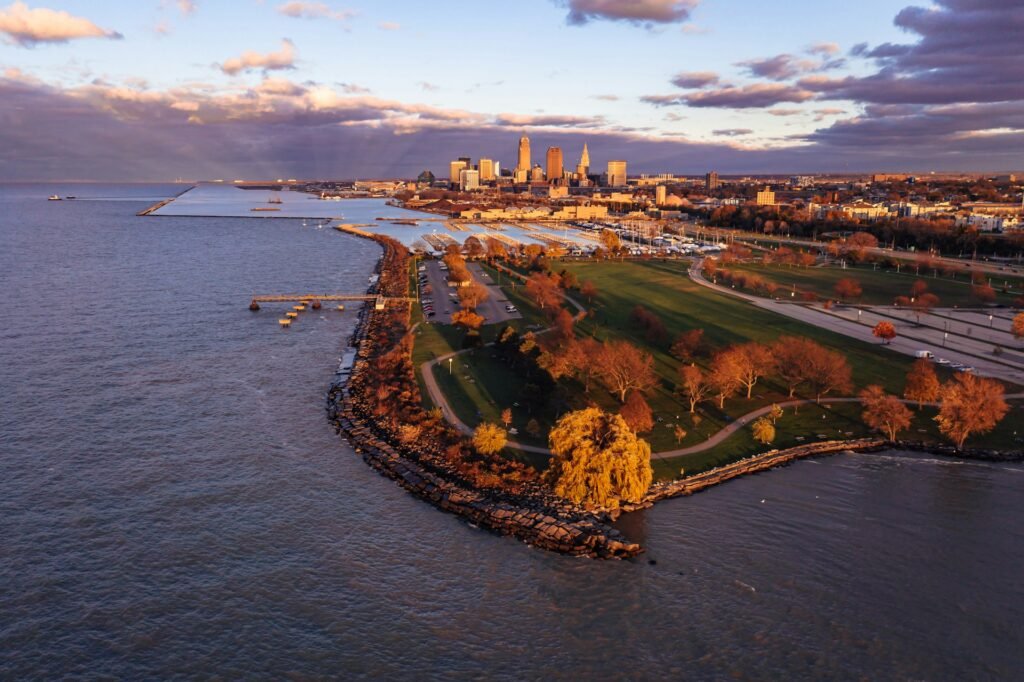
589, 291
637, 413
775, 414
543, 289
597, 461
688, 345
792, 358
533, 427
848, 288
1017, 326
753, 361
474, 249
724, 376
885, 330
623, 367
611, 241
692, 385
828, 371
467, 319
489, 439
970, 404
764, 430
472, 295
680, 433
922, 383
983, 293
506, 417
883, 412
563, 327
567, 279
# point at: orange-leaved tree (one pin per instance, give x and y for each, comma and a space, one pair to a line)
969, 405
922, 383
885, 330
884, 412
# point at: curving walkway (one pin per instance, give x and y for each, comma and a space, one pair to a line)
439, 399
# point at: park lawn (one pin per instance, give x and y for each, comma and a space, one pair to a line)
880, 287
841, 421
665, 289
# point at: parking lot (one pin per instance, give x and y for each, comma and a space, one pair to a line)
439, 300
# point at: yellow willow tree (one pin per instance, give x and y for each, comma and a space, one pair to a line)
597, 460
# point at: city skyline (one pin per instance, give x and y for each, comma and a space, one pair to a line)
352, 89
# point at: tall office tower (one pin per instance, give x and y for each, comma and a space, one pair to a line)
486, 167
453, 171
554, 164
660, 194
537, 174
616, 173
711, 181
469, 180
583, 167
468, 161
524, 154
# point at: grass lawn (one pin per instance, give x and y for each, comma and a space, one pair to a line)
880, 286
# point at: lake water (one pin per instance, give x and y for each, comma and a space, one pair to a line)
174, 503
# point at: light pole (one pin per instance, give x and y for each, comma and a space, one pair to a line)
990, 321
858, 315
945, 335
449, 366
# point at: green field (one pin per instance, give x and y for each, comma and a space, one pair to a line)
879, 286
480, 385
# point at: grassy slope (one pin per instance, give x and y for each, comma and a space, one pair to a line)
880, 286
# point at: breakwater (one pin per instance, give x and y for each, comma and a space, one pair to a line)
752, 465
528, 511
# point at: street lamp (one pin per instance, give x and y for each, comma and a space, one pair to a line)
449, 366
945, 335
990, 320
858, 315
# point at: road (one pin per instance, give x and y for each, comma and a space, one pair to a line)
909, 340
444, 304
493, 309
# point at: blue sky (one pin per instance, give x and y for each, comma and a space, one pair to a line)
464, 78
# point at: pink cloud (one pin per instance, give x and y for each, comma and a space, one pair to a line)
27, 27
282, 59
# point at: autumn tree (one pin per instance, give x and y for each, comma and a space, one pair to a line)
506, 417
753, 361
764, 430
883, 412
474, 248
983, 293
567, 279
724, 376
680, 433
622, 367
472, 295
792, 358
467, 318
688, 345
562, 329
637, 413
922, 383
597, 460
1017, 326
885, 330
543, 289
692, 385
489, 439
970, 404
848, 288
827, 371
588, 290
611, 241
775, 414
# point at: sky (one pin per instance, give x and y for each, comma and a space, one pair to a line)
262, 89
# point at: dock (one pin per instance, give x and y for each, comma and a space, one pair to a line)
380, 302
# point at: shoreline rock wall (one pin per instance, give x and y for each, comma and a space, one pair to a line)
534, 516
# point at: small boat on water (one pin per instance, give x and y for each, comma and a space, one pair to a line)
285, 322
54, 197
274, 200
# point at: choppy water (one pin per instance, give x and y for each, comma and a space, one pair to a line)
173, 503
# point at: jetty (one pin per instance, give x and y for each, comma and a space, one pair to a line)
380, 302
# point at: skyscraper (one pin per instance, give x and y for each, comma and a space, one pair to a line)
616, 173
524, 154
469, 180
554, 163
454, 168
583, 167
487, 172
711, 181
660, 195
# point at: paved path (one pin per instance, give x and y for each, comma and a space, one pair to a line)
439, 399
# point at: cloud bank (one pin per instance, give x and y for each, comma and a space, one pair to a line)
27, 27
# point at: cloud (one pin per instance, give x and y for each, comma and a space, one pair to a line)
785, 112
778, 68
823, 49
27, 27
270, 61
428, 87
389, 26
186, 7
663, 100
695, 79
298, 9
633, 11
516, 120
606, 98
732, 132
353, 89
758, 95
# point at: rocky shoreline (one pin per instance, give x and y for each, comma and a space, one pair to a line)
531, 513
